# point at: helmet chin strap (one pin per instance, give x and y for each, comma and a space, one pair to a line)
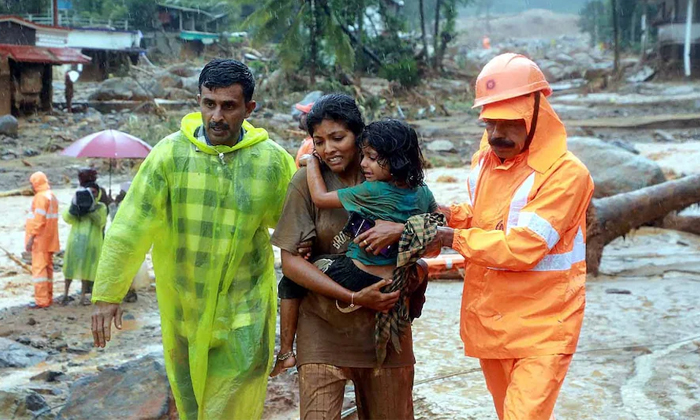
533, 125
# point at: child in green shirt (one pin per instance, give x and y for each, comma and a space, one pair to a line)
392, 164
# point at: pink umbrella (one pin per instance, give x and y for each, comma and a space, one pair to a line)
110, 144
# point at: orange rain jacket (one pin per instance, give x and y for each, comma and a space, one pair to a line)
522, 232
42, 221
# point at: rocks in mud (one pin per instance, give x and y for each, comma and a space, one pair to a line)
49, 376
179, 94
16, 355
8, 126
614, 169
23, 404
136, 390
444, 146
119, 88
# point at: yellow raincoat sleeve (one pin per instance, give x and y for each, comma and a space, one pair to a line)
556, 206
97, 217
135, 228
288, 167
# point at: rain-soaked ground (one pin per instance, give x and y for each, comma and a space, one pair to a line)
638, 358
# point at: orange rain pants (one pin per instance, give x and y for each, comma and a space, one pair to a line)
42, 276
525, 389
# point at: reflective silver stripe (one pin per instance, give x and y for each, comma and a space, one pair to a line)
540, 226
40, 211
518, 201
563, 262
30, 215
52, 216
40, 279
473, 179
529, 220
560, 262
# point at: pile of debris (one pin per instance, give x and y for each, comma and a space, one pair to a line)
179, 82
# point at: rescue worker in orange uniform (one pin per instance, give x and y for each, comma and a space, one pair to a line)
522, 233
41, 238
307, 145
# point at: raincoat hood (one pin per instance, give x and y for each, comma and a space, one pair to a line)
191, 122
39, 181
549, 141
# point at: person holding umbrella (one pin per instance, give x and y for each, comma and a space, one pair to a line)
204, 198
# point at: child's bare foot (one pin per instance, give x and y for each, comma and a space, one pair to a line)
283, 362
85, 301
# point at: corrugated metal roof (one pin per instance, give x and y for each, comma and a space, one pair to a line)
31, 54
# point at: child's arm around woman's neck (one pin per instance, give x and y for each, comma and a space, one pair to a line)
317, 187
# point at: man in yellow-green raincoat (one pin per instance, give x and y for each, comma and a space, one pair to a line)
205, 198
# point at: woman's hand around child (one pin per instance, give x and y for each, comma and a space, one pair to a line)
373, 298
304, 249
380, 236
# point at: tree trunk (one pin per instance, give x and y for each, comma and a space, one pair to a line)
424, 36
436, 34
596, 25
371, 54
616, 37
690, 224
313, 42
611, 217
359, 68
645, 31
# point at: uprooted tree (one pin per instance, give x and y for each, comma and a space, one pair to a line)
611, 217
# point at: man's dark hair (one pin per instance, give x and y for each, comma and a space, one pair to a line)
221, 73
335, 107
397, 145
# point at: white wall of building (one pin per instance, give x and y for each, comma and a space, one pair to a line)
103, 40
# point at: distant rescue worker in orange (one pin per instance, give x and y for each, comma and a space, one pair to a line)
41, 238
307, 145
522, 233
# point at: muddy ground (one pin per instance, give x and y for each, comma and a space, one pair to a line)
639, 352
638, 357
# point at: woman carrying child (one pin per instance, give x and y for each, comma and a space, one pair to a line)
334, 345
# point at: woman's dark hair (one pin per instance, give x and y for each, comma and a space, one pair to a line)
397, 145
335, 107
221, 73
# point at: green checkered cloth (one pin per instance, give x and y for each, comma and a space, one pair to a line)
420, 230
206, 211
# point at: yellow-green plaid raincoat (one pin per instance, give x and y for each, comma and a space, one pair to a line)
84, 243
206, 210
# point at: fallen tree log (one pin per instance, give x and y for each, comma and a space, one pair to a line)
18, 191
19, 262
690, 224
611, 217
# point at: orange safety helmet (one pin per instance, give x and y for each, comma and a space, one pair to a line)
508, 76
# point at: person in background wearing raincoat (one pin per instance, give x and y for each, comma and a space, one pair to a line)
204, 198
87, 217
522, 233
41, 238
307, 145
